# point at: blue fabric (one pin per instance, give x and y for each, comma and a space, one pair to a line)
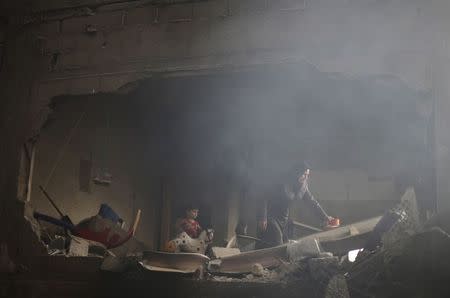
55, 221
108, 213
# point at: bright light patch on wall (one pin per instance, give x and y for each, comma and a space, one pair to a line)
353, 254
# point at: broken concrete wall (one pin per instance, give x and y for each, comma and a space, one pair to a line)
17, 75
230, 33
103, 132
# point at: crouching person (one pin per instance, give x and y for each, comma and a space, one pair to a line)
190, 237
189, 223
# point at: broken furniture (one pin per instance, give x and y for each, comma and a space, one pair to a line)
96, 228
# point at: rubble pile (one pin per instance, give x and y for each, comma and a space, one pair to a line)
402, 257
325, 273
411, 260
417, 266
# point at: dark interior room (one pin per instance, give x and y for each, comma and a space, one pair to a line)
221, 148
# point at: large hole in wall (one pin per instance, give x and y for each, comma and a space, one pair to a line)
223, 140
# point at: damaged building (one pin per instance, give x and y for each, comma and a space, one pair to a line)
224, 148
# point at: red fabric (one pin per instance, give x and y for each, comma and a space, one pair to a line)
106, 237
191, 227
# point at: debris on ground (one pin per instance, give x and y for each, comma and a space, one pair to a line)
415, 266
323, 268
337, 287
401, 259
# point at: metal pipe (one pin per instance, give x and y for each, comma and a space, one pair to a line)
51, 201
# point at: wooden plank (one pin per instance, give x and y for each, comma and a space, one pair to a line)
31, 171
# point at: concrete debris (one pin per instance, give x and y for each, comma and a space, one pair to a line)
416, 266
260, 275
323, 268
325, 254
328, 280
403, 254
337, 287
257, 269
401, 259
220, 252
302, 248
408, 221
